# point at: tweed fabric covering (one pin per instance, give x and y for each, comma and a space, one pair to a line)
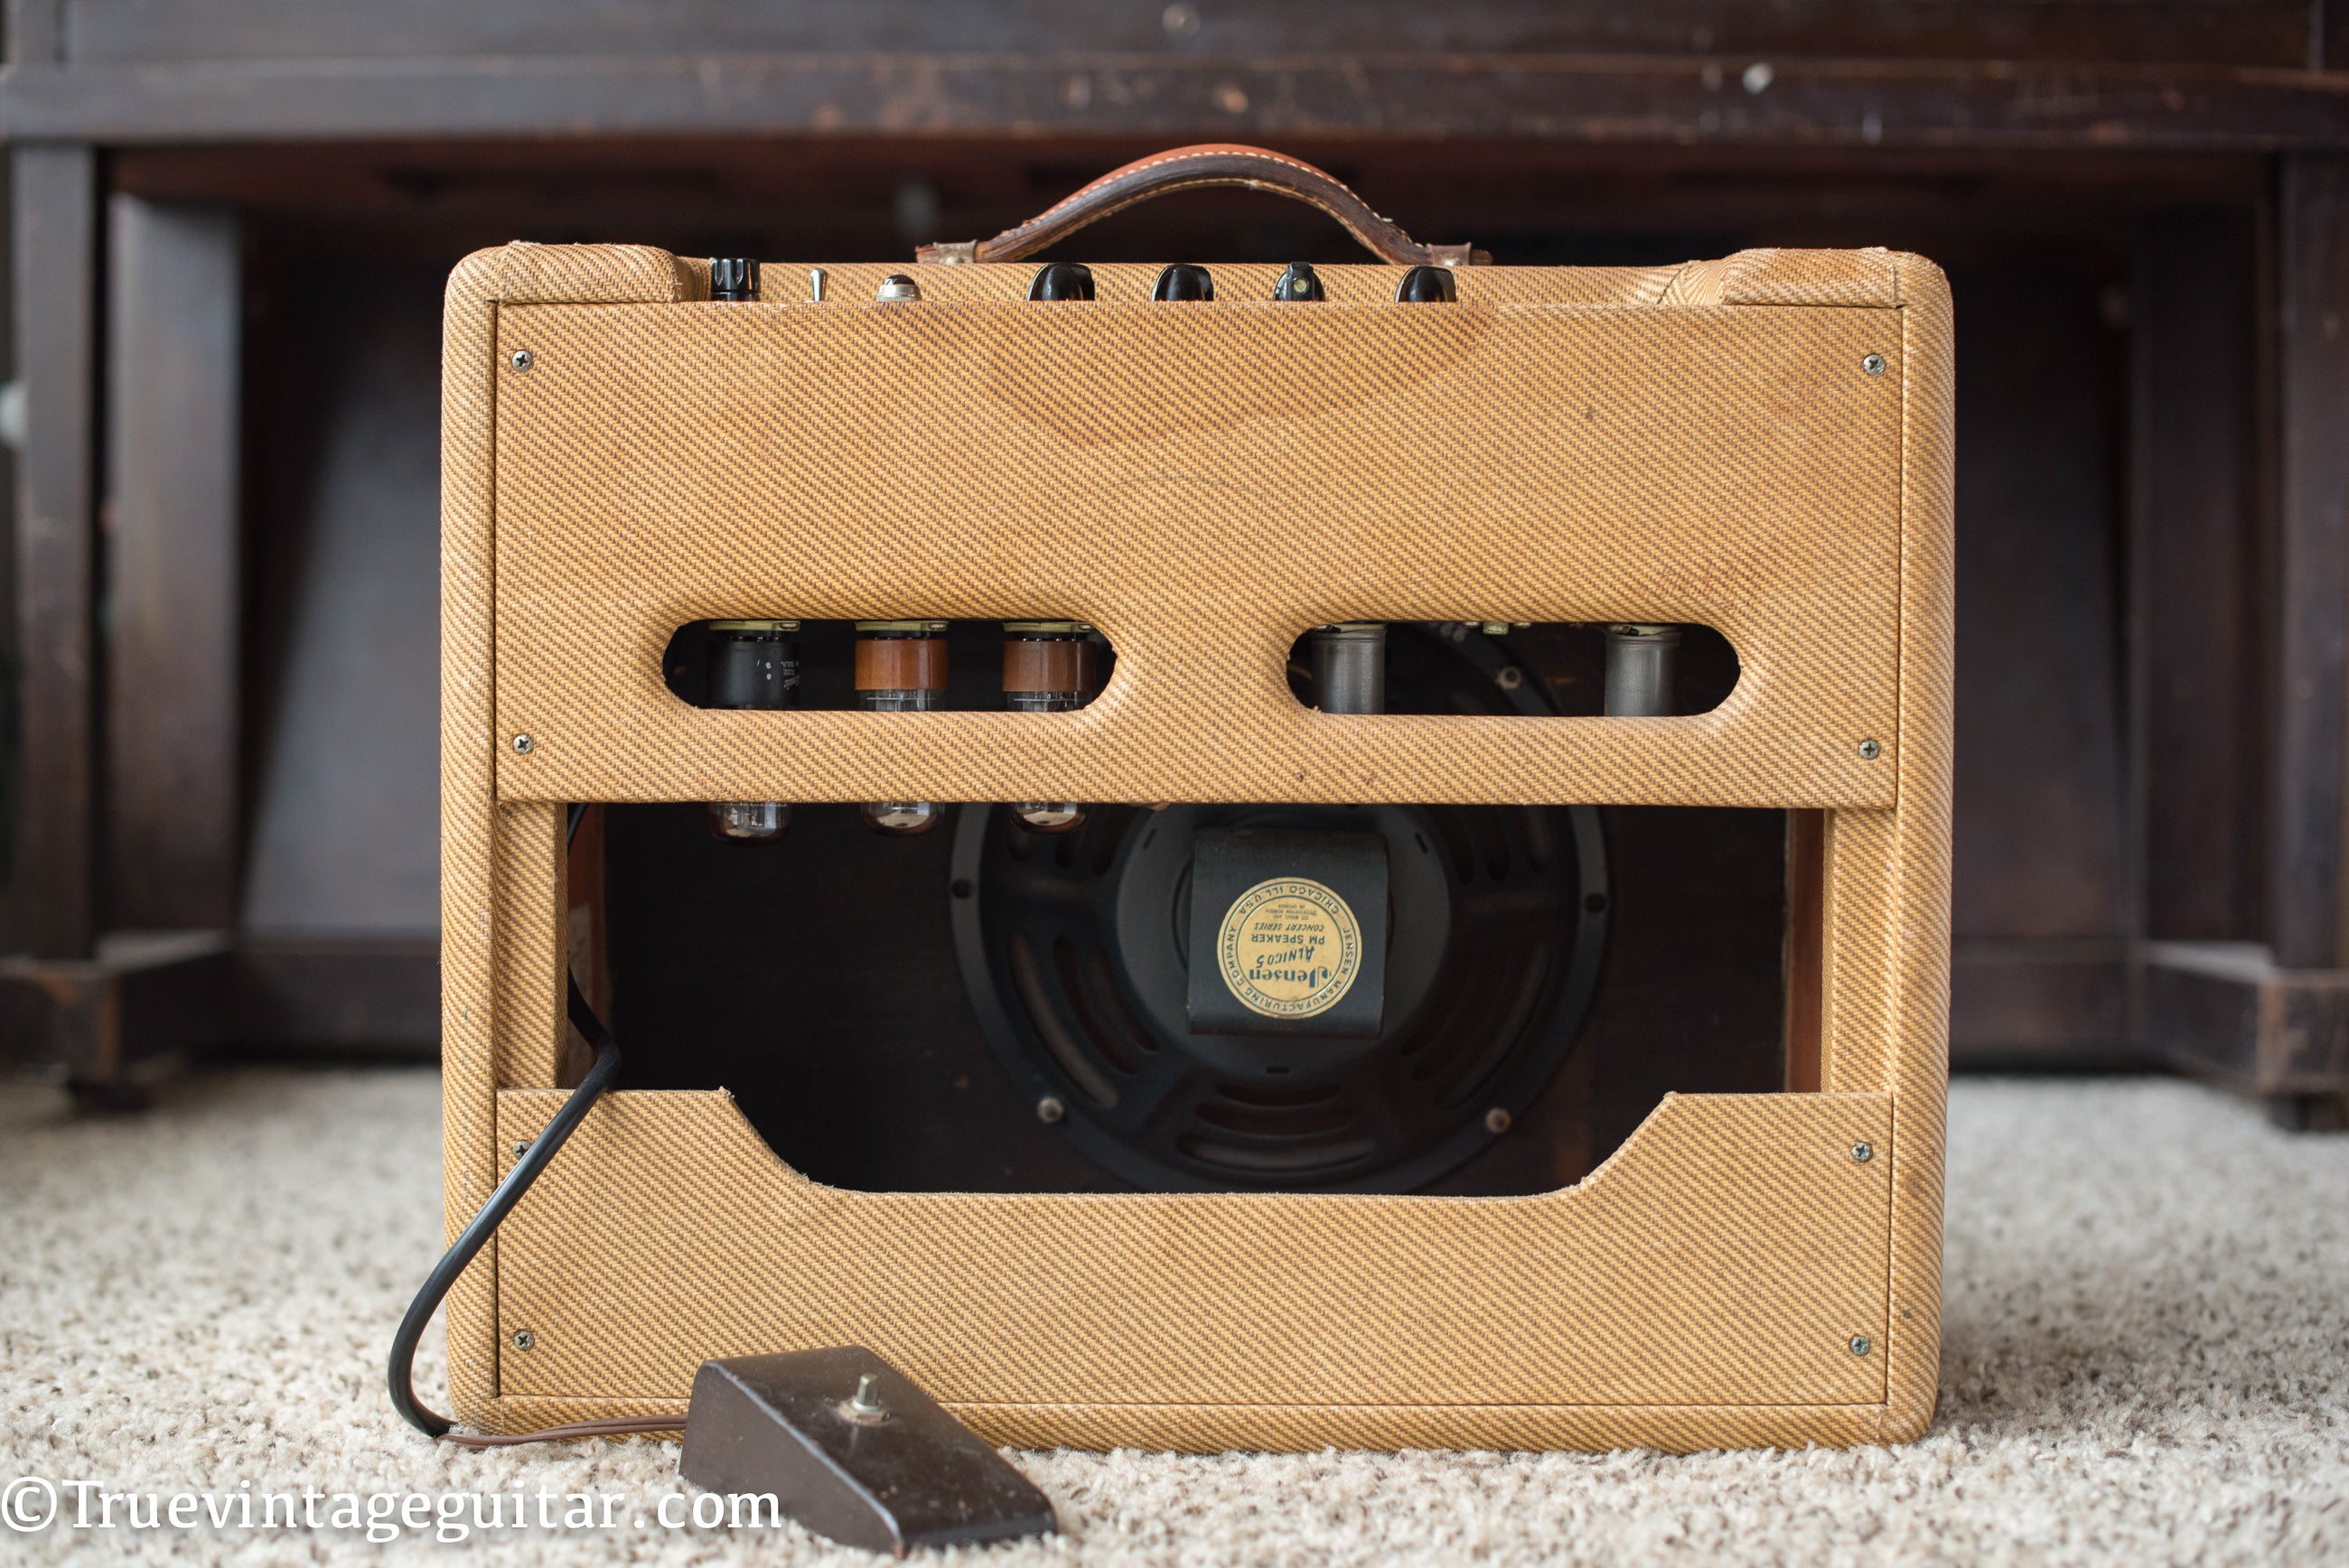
1364, 1310
1290, 468
1916, 884
469, 839
1864, 527
530, 943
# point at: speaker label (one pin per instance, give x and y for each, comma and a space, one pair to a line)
1289, 948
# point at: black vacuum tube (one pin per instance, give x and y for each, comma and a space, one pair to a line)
753, 664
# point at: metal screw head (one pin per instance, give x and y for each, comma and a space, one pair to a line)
1861, 1344
522, 745
523, 360
1870, 752
524, 1339
1873, 363
1050, 1109
521, 1147
1862, 1154
1496, 1120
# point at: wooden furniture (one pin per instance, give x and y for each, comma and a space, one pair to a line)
245, 206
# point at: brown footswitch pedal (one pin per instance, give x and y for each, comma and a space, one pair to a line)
845, 1444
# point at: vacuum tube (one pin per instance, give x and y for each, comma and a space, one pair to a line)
1048, 667
901, 667
1349, 668
753, 664
1640, 660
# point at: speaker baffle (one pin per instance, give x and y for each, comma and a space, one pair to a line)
1074, 952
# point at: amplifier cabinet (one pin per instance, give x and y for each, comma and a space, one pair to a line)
1759, 445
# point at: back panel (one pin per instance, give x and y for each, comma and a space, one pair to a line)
1649, 1148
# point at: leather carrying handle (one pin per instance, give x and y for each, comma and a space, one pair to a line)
1189, 169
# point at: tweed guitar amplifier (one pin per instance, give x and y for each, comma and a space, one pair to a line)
1206, 856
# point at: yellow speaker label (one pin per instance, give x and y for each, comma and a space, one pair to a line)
1289, 948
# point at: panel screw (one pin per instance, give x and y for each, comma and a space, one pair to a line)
524, 1339
1862, 1152
1873, 363
523, 744
1049, 1109
521, 1147
1868, 750
1861, 1344
1496, 1120
523, 360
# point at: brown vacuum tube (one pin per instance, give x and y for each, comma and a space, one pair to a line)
1048, 667
901, 667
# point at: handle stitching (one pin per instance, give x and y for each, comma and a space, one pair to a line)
1156, 159
1136, 198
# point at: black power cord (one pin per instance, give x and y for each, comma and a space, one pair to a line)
534, 1159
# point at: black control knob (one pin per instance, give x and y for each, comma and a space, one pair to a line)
1300, 282
1182, 281
1427, 285
1061, 280
733, 278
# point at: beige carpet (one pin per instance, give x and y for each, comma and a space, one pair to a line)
2146, 1361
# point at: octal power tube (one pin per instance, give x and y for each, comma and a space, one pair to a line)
901, 667
1048, 667
752, 665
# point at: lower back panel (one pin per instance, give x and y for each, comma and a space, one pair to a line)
891, 1015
